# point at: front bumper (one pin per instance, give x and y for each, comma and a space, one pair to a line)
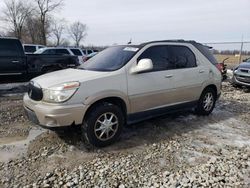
244, 81
53, 115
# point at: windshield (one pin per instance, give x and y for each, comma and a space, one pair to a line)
40, 51
110, 59
248, 60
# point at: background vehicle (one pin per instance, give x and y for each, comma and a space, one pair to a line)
89, 51
63, 51
241, 74
31, 48
86, 58
126, 84
13, 60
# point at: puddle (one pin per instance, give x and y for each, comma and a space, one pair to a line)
16, 147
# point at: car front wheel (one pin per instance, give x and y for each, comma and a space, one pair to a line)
103, 125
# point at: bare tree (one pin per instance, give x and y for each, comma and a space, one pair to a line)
16, 13
45, 7
77, 32
57, 31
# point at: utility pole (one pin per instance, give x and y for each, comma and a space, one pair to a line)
241, 48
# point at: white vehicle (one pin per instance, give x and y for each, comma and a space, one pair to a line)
126, 84
31, 48
62, 51
89, 51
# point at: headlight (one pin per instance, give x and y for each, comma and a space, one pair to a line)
60, 93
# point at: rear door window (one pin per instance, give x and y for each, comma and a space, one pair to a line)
180, 57
76, 52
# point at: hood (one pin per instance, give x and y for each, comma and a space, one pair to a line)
245, 65
67, 75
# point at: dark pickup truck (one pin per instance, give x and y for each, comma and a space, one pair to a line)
13, 60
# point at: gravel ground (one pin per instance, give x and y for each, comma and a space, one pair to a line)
181, 150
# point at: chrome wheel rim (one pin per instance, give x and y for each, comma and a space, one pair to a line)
208, 102
106, 126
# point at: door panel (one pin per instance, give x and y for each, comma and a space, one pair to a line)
188, 83
149, 90
12, 65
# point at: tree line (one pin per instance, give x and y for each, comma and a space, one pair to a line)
34, 22
231, 52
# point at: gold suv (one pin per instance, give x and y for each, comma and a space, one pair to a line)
123, 85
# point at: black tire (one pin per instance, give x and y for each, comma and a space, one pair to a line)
201, 108
90, 131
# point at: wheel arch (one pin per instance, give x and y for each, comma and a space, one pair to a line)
118, 101
213, 87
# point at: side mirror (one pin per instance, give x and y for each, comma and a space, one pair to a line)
142, 66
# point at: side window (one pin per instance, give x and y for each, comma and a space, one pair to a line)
9, 48
158, 55
62, 52
180, 57
49, 52
76, 52
90, 52
29, 49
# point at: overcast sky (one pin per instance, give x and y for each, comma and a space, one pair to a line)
116, 21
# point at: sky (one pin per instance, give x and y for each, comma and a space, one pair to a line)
117, 21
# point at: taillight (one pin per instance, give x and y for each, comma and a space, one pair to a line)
219, 67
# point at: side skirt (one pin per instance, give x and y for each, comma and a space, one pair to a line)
145, 115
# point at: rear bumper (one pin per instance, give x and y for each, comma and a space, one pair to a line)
50, 115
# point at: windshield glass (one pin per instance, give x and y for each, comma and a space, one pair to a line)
248, 60
110, 59
40, 51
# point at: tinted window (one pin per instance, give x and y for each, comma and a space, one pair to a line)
181, 57
9, 48
62, 51
110, 59
169, 57
48, 51
206, 52
158, 55
89, 51
40, 47
30, 49
76, 52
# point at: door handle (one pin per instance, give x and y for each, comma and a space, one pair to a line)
168, 76
201, 71
14, 61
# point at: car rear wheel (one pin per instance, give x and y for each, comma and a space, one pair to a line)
206, 102
103, 125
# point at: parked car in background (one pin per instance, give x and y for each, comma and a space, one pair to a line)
13, 60
241, 74
62, 51
126, 84
31, 48
86, 58
89, 51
